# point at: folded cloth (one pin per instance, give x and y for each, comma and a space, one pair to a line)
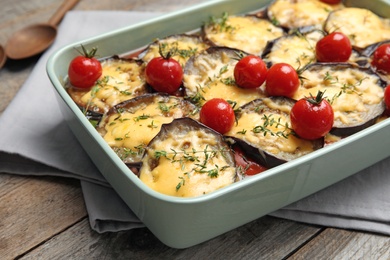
39, 143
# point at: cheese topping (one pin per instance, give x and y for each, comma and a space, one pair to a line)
213, 78
351, 91
180, 47
135, 130
189, 173
121, 80
362, 26
300, 13
246, 33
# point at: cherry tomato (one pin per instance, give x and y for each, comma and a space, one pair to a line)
282, 80
164, 74
217, 114
331, 2
312, 118
387, 97
249, 166
334, 47
84, 69
250, 72
381, 58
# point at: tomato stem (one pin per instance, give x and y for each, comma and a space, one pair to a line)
86, 53
317, 99
166, 55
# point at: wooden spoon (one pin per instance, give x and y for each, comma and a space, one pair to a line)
36, 38
3, 57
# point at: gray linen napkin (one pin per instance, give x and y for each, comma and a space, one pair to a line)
39, 143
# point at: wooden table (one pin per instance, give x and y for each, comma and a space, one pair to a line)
45, 217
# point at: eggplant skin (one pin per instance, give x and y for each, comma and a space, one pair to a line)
355, 93
263, 132
129, 126
187, 159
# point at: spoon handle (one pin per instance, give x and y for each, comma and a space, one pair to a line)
61, 11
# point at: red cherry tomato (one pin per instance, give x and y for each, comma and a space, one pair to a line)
248, 166
84, 70
331, 2
282, 80
164, 74
312, 118
387, 97
381, 58
334, 47
250, 72
217, 114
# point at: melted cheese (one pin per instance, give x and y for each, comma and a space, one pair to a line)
120, 81
132, 130
211, 83
180, 177
270, 142
246, 33
362, 26
300, 13
350, 90
182, 47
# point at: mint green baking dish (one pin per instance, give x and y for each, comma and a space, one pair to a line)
184, 222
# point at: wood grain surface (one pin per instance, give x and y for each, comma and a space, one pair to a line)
45, 217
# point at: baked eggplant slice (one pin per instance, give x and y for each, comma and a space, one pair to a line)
355, 93
248, 33
129, 126
263, 131
362, 26
298, 49
292, 14
210, 74
181, 47
187, 159
121, 79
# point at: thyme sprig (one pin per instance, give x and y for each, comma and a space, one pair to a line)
173, 49
270, 121
220, 24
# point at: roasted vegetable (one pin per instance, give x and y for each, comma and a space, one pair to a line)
209, 75
292, 14
355, 93
121, 79
362, 26
187, 159
248, 33
298, 49
263, 130
129, 126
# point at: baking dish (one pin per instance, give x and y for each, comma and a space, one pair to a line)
184, 222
